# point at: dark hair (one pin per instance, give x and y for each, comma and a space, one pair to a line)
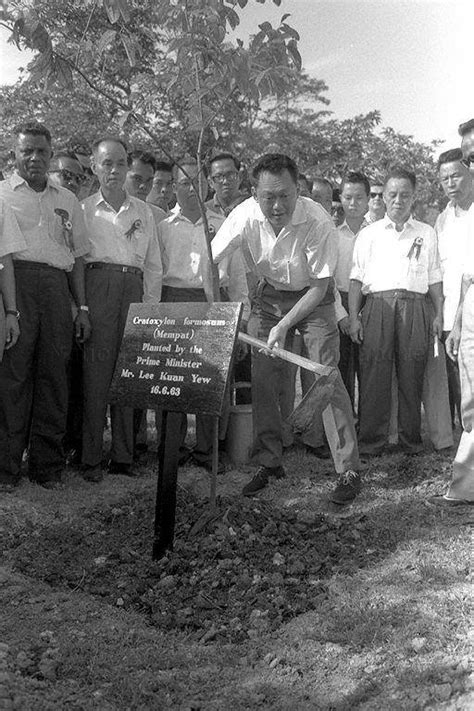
184, 160
164, 166
223, 156
34, 128
454, 155
400, 173
143, 156
356, 178
112, 139
322, 181
309, 183
275, 163
466, 127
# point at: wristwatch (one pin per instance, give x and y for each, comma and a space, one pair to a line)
13, 312
84, 308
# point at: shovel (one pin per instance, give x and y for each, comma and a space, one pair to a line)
311, 407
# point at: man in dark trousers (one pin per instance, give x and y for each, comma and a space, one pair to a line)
33, 374
122, 267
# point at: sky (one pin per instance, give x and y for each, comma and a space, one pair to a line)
410, 59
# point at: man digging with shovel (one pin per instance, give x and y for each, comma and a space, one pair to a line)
289, 245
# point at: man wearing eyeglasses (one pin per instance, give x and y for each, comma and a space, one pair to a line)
376, 203
224, 179
466, 131
66, 171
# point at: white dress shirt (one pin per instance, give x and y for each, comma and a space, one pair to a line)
50, 221
303, 252
385, 259
454, 232
11, 239
127, 236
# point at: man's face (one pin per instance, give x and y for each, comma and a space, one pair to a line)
376, 203
68, 173
323, 195
276, 195
224, 179
467, 146
162, 190
354, 200
186, 188
398, 196
110, 165
456, 181
139, 180
32, 156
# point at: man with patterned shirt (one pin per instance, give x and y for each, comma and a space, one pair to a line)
396, 266
290, 250
33, 374
123, 266
186, 273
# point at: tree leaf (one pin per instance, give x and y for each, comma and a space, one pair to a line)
105, 39
129, 47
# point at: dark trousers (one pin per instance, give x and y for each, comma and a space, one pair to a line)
109, 294
73, 438
348, 356
454, 386
33, 375
270, 378
396, 327
202, 452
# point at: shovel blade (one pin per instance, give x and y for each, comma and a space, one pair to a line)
311, 407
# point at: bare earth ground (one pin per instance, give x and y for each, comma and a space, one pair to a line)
280, 602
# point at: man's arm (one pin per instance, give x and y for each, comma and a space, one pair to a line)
78, 290
300, 310
436, 295
355, 300
8, 291
454, 338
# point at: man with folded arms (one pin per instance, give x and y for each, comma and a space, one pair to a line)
122, 267
33, 374
396, 266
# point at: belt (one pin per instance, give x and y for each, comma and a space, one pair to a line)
25, 264
396, 294
125, 269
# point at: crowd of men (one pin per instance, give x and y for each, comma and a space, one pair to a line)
357, 283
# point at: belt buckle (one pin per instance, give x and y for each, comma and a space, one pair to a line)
124, 269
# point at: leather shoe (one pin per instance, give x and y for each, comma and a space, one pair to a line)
121, 468
260, 480
441, 500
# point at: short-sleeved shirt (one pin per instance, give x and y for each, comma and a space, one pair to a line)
304, 251
453, 230
127, 237
345, 251
185, 260
214, 205
385, 259
11, 239
50, 221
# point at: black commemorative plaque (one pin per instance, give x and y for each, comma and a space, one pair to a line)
176, 357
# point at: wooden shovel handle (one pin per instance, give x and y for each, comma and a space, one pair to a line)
287, 355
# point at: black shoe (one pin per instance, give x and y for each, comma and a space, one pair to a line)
347, 488
260, 480
93, 474
121, 468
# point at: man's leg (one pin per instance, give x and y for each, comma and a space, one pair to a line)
376, 363
104, 298
121, 418
454, 386
412, 325
321, 337
50, 394
16, 379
